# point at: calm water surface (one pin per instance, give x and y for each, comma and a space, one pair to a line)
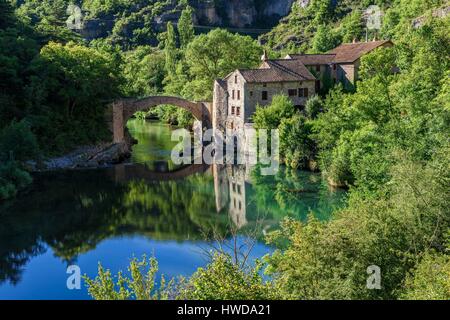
149, 206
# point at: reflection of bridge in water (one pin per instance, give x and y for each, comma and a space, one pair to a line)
124, 173
230, 183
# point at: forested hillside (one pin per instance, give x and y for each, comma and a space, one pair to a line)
319, 25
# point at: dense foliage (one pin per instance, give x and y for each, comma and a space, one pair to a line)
322, 24
60, 84
140, 286
387, 141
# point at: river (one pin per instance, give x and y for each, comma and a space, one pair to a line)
149, 206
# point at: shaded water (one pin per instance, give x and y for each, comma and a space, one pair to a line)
151, 206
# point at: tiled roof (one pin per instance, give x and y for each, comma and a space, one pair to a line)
278, 71
313, 59
350, 52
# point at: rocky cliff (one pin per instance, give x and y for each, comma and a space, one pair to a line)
241, 13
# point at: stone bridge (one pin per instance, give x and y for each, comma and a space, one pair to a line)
121, 110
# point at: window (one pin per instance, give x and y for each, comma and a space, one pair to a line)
318, 68
232, 95
239, 189
235, 79
232, 110
334, 66
238, 111
239, 94
234, 187
251, 93
292, 92
303, 92
264, 85
264, 95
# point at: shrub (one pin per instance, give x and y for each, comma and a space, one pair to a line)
295, 145
270, 117
12, 179
313, 107
224, 280
140, 286
17, 142
430, 279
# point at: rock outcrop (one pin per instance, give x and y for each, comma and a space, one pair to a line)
216, 13
241, 13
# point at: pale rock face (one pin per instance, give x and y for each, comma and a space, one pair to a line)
241, 13
279, 8
231, 13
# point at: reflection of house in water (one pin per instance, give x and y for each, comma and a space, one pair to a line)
231, 183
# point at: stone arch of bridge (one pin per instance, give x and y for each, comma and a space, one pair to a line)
124, 109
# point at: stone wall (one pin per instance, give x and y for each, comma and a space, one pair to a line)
220, 104
253, 94
236, 83
345, 74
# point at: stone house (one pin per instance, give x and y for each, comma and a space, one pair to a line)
299, 76
236, 96
340, 65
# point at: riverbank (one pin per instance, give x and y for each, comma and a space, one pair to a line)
100, 155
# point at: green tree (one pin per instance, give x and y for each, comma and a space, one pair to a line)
224, 280
144, 72
140, 286
214, 55
17, 144
170, 50
296, 146
74, 112
324, 39
430, 279
270, 117
351, 27
7, 18
186, 27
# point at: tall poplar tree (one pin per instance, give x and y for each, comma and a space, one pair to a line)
170, 50
186, 27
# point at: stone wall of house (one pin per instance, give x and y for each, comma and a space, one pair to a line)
346, 74
324, 73
220, 105
253, 94
236, 83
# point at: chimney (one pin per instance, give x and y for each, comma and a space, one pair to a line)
354, 40
264, 57
374, 38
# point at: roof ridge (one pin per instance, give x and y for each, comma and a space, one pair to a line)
287, 70
312, 54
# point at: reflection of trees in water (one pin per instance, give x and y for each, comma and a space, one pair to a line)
13, 260
293, 193
74, 211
